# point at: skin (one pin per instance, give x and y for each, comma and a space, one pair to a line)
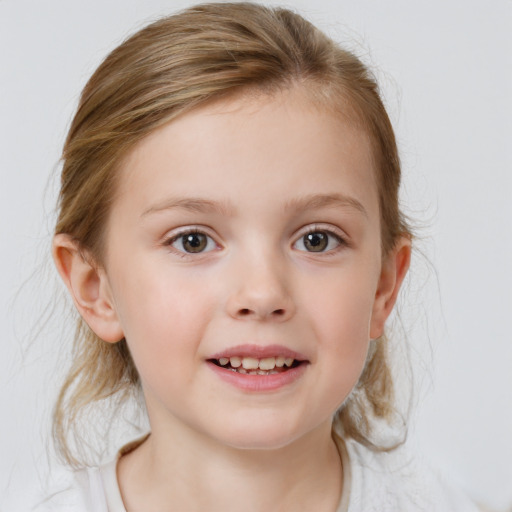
267, 164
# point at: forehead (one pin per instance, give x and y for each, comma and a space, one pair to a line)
253, 143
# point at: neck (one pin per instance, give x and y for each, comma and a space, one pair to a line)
197, 474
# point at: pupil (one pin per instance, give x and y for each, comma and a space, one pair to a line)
194, 242
315, 241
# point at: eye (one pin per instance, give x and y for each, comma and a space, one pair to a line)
318, 241
192, 242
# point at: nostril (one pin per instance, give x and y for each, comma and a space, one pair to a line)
243, 312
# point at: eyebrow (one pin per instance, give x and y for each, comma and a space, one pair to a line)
317, 201
191, 204
309, 202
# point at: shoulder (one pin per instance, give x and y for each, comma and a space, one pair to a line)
400, 481
86, 490
70, 491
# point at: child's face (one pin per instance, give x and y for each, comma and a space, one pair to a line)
247, 228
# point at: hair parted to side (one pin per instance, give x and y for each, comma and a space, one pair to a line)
205, 53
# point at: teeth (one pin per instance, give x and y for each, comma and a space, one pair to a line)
268, 363
256, 366
235, 362
249, 363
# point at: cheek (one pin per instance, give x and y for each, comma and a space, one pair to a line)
163, 323
340, 307
341, 318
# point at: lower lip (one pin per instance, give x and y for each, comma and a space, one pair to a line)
259, 383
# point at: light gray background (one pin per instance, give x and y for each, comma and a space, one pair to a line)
445, 69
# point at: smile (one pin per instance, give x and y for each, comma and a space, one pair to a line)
254, 366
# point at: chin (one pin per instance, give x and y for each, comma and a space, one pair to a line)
259, 436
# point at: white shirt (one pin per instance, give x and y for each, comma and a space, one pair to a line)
373, 482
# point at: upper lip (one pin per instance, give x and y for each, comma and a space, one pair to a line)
259, 352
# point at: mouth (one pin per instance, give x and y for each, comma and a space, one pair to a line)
259, 368
247, 365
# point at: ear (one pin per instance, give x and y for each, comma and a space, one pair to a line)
393, 270
89, 288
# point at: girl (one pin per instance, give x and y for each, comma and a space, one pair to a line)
229, 231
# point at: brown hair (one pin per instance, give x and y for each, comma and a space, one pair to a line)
173, 65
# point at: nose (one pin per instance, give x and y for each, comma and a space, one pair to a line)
260, 292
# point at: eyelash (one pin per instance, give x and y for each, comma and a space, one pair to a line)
170, 241
341, 241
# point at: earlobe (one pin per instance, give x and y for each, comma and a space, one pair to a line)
394, 269
89, 288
